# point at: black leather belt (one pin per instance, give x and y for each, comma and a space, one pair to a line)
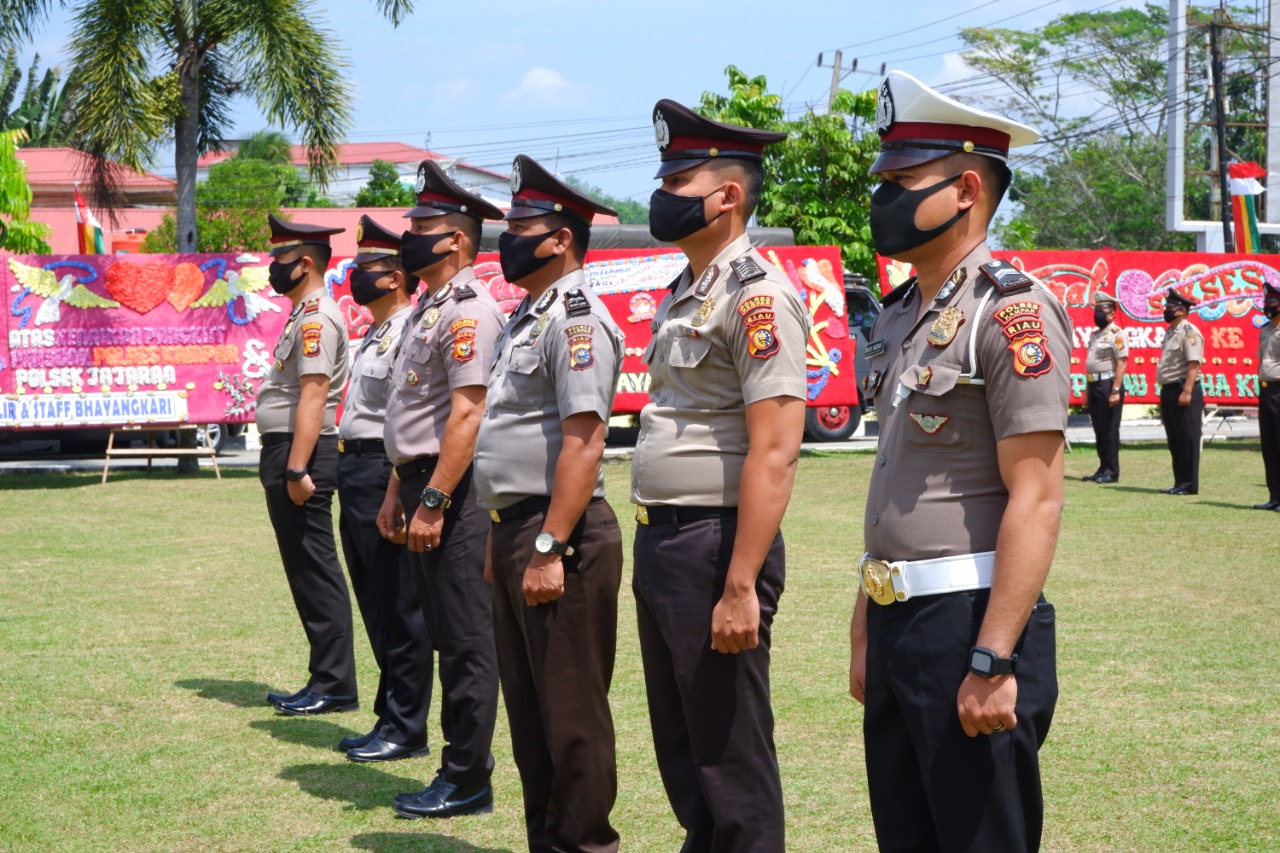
522, 509
654, 515
416, 466
271, 439
362, 446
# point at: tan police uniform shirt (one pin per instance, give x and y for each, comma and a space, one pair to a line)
936, 488
1268, 353
1182, 345
734, 337
448, 343
558, 357
314, 341
1105, 347
365, 407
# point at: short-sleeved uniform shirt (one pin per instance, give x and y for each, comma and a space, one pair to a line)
735, 336
557, 357
1105, 347
1182, 345
936, 488
365, 408
1268, 353
447, 343
314, 341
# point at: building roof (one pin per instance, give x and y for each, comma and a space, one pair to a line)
359, 154
60, 167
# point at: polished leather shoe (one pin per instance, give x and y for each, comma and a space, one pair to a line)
1182, 490
1106, 478
357, 741
378, 749
1269, 505
317, 703
1092, 478
443, 799
286, 698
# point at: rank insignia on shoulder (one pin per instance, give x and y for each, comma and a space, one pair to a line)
545, 302
875, 348
1006, 277
576, 303
708, 280
580, 340
898, 293
464, 291
312, 307
930, 423
746, 269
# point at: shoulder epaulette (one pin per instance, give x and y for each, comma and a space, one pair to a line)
897, 293
576, 303
746, 269
464, 291
1006, 277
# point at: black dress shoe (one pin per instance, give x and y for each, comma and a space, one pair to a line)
378, 749
1184, 490
1107, 478
317, 703
1092, 478
1269, 505
357, 741
443, 799
286, 698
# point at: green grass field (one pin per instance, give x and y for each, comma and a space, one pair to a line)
142, 621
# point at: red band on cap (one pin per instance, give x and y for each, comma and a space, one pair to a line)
426, 197
394, 245
926, 130
582, 210
700, 143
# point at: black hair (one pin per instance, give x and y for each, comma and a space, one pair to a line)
396, 264
318, 253
996, 174
467, 224
748, 173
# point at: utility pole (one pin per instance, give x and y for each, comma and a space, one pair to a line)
1216, 67
838, 73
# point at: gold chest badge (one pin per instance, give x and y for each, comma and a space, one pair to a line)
704, 312
411, 377
430, 318
943, 331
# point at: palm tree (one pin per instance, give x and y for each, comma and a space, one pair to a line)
159, 69
269, 145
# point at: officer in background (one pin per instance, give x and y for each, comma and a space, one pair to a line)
712, 474
298, 467
555, 548
1181, 397
1269, 395
433, 414
952, 642
1104, 365
377, 565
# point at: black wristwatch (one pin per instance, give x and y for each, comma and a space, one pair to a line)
988, 664
548, 544
295, 475
435, 499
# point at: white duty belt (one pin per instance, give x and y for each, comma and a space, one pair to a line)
886, 582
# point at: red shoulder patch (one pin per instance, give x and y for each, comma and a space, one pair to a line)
757, 320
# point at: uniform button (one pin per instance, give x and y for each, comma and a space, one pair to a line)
881, 460
662, 358
906, 345
875, 519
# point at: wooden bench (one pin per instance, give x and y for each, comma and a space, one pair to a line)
151, 451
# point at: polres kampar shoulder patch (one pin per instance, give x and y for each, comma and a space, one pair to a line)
464, 339
581, 338
1020, 322
758, 322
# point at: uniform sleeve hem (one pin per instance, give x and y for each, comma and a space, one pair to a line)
1032, 420
780, 387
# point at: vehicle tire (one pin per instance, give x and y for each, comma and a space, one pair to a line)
217, 436
831, 423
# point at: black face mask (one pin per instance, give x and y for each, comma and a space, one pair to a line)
1271, 309
417, 251
673, 217
364, 285
1170, 314
516, 254
1101, 317
893, 217
280, 276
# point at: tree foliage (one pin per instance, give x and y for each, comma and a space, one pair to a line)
385, 189
42, 113
17, 233
816, 182
630, 211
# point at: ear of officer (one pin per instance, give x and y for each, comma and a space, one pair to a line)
558, 246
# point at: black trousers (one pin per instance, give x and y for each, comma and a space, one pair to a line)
304, 535
388, 604
932, 787
1269, 430
1106, 424
1182, 428
458, 608
711, 714
556, 662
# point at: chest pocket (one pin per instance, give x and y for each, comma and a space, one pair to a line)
376, 370
688, 352
938, 411
284, 348
522, 381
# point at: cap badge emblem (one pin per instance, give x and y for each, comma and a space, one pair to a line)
360, 231
421, 184
661, 132
884, 109
515, 177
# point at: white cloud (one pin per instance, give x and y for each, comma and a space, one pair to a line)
544, 87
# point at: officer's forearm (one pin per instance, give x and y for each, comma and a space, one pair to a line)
459, 443
308, 420
1193, 373
1122, 365
577, 468
774, 431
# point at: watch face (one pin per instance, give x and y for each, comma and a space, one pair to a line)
980, 662
544, 543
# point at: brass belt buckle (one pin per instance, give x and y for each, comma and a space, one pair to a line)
876, 581
497, 519
642, 514
342, 446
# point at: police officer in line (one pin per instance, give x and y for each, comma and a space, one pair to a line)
1181, 397
377, 565
433, 413
1269, 395
712, 474
952, 642
555, 548
1104, 365
297, 419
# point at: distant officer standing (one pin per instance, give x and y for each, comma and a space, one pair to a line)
1105, 365
1181, 397
713, 470
1269, 395
433, 414
555, 548
377, 565
297, 419
952, 641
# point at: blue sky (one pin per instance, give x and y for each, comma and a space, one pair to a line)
572, 84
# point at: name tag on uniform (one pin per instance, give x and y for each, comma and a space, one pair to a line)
875, 348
